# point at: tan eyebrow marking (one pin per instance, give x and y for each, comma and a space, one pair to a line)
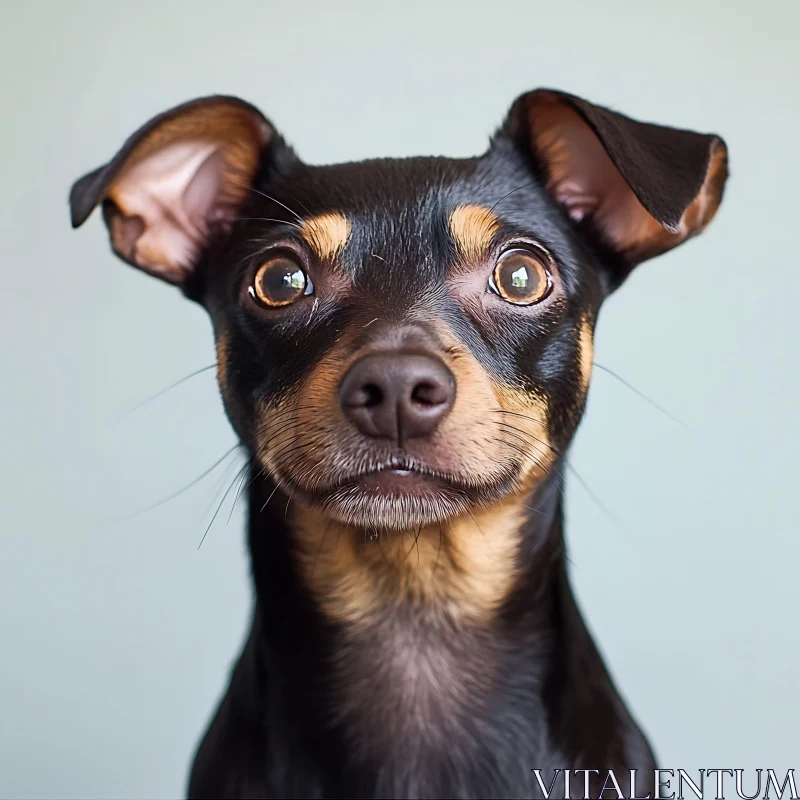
473, 228
326, 234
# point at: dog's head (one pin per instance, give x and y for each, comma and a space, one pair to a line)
403, 341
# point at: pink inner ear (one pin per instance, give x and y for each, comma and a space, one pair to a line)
173, 191
583, 179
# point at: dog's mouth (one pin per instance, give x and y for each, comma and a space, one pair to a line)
398, 493
397, 472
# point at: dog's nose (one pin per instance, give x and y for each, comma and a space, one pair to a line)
397, 396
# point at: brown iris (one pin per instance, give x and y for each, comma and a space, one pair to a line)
279, 282
521, 277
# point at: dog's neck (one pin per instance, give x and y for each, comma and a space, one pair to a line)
402, 686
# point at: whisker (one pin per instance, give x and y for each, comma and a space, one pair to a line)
185, 488
300, 202
164, 391
219, 486
641, 394
272, 494
268, 219
577, 475
469, 511
524, 185
439, 548
414, 541
380, 547
289, 500
517, 414
314, 306
595, 497
273, 199
220, 505
321, 543
239, 491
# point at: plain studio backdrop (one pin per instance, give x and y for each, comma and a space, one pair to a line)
118, 633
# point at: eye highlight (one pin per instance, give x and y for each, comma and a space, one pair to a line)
521, 277
280, 281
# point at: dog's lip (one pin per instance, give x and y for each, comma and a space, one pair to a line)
396, 473
397, 481
400, 468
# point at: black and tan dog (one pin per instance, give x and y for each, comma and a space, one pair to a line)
404, 349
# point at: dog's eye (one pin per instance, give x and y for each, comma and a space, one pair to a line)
521, 277
279, 282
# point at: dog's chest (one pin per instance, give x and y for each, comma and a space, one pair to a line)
411, 672
417, 696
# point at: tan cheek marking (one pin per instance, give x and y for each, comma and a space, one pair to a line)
318, 428
222, 346
527, 428
474, 415
485, 436
586, 344
326, 234
473, 228
465, 568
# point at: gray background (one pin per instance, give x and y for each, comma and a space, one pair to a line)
117, 634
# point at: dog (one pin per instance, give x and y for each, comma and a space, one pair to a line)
404, 349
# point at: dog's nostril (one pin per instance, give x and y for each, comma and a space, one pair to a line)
373, 395
366, 396
430, 394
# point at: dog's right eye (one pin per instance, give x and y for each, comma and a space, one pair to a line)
279, 282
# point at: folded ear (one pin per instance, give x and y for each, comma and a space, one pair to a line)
175, 181
643, 188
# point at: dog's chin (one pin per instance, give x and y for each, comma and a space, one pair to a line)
400, 499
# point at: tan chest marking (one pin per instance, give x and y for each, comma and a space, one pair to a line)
465, 567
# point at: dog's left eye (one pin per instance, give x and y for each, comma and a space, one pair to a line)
521, 277
279, 282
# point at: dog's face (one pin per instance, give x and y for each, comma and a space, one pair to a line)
401, 342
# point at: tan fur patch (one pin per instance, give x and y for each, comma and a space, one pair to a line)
586, 344
473, 228
222, 346
525, 424
326, 234
464, 567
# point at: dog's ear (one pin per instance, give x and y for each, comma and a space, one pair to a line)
176, 181
642, 188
